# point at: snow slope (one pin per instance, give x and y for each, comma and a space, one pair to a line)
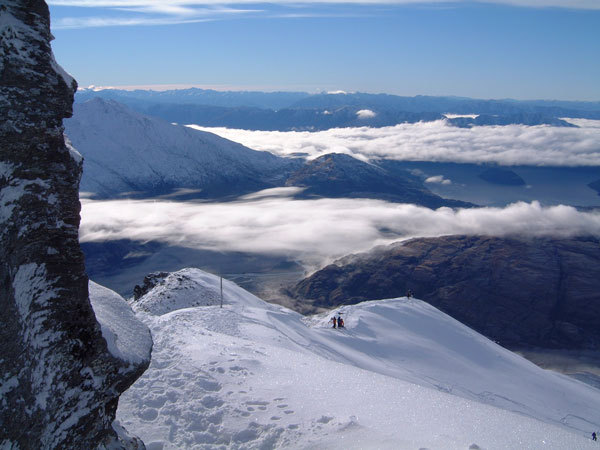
401, 375
126, 337
114, 139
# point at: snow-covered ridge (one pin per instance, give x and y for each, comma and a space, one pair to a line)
126, 337
113, 139
400, 375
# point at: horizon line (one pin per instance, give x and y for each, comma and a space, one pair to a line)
270, 89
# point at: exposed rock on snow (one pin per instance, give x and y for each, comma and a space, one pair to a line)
401, 375
59, 384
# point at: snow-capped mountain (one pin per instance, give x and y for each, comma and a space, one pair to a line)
401, 374
125, 151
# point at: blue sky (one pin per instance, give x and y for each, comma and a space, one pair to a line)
522, 49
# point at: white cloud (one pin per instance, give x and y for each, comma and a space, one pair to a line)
149, 15
167, 5
161, 12
95, 22
456, 116
365, 114
437, 141
438, 179
315, 231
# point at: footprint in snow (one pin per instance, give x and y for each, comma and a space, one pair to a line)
148, 414
257, 403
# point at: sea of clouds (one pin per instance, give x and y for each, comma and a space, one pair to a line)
315, 232
437, 141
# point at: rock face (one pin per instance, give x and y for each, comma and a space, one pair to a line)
535, 292
59, 383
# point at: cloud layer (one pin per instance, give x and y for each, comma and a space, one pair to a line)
437, 141
315, 231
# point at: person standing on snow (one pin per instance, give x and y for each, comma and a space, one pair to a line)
333, 320
340, 322
594, 436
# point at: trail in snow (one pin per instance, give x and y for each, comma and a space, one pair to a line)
401, 375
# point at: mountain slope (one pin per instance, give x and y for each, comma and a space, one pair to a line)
126, 151
338, 175
538, 291
401, 375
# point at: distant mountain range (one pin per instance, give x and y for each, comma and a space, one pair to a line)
302, 111
521, 292
126, 152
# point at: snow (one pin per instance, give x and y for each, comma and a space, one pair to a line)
112, 139
14, 189
126, 337
73, 151
32, 291
16, 36
401, 375
68, 79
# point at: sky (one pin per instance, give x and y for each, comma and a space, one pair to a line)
523, 49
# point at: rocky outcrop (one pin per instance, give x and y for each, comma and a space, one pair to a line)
150, 282
59, 383
536, 292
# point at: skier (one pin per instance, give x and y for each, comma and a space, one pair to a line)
333, 320
594, 436
408, 294
340, 322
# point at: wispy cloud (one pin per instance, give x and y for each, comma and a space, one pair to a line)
437, 141
161, 12
579, 4
315, 232
145, 13
94, 22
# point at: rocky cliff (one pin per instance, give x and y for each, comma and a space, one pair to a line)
535, 292
59, 382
